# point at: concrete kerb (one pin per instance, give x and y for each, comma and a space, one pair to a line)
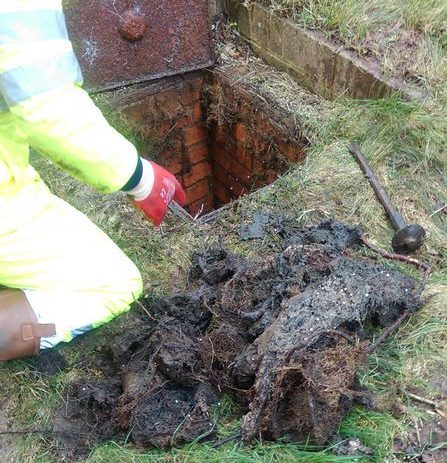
317, 63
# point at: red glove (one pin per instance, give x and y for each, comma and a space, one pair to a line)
156, 189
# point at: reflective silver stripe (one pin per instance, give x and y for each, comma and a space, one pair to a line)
24, 82
32, 26
81, 330
3, 105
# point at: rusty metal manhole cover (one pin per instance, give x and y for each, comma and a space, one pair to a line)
119, 42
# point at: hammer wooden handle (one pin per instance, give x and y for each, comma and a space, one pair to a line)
396, 218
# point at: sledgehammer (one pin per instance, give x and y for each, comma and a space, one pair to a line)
408, 237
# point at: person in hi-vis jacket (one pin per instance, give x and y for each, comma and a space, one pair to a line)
59, 274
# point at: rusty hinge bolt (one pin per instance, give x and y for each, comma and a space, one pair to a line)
132, 26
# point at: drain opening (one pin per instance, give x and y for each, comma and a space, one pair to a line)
221, 140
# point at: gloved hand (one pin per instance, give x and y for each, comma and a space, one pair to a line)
156, 189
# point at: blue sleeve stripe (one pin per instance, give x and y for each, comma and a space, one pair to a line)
136, 177
25, 82
32, 26
81, 330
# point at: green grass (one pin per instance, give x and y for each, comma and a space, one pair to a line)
405, 142
376, 430
260, 453
353, 19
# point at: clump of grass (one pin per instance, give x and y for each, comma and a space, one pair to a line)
354, 18
351, 19
430, 64
429, 16
259, 453
418, 350
376, 430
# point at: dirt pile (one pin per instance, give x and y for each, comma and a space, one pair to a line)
282, 336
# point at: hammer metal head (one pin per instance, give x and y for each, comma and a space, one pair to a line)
408, 239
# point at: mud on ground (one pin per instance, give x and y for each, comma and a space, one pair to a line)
282, 336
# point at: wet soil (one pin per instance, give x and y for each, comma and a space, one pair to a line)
283, 336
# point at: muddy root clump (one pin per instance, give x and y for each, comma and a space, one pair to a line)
283, 337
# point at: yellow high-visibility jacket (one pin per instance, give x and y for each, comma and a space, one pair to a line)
72, 273
40, 89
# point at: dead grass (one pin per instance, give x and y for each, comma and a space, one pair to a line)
355, 18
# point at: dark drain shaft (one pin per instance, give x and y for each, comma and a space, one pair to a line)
408, 237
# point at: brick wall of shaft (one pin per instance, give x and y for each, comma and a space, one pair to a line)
169, 119
220, 140
251, 142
